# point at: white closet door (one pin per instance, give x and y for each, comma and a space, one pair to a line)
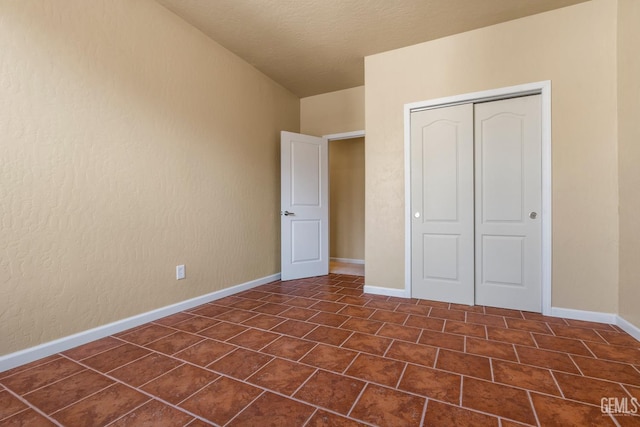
442, 204
508, 203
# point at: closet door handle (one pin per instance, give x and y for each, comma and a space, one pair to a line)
533, 215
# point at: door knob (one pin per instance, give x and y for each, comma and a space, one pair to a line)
533, 215
287, 213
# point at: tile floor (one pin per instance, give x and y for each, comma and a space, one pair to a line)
319, 352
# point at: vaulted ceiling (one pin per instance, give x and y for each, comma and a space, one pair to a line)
317, 46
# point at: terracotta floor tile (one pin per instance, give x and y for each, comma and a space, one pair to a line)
546, 359
362, 325
301, 302
438, 304
294, 328
376, 369
175, 342
443, 340
327, 335
576, 333
236, 316
616, 353
487, 320
512, 336
253, 294
331, 391
495, 349
330, 358
432, 383
182, 382
271, 308
205, 352
254, 339
211, 310
527, 325
274, 410
28, 418
263, 321
420, 310
278, 299
240, 363
384, 406
367, 343
289, 348
220, 401
389, 316
414, 353
9, 405
347, 299
195, 324
443, 415
102, 407
246, 304
553, 411
329, 319
382, 305
144, 370
468, 329
590, 325
116, 357
331, 307
154, 413
541, 318
516, 314
147, 334
470, 308
619, 338
28, 366
327, 419
568, 345
281, 376
513, 403
430, 323
222, 331
41, 375
524, 376
447, 314
357, 311
608, 370
298, 313
587, 390
466, 364
404, 333
93, 348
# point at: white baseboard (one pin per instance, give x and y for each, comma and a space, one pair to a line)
589, 316
390, 292
348, 260
21, 357
628, 327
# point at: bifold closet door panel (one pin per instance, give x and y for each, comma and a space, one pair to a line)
442, 218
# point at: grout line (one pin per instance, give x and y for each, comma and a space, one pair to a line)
239, 411
424, 411
30, 406
406, 365
533, 408
129, 412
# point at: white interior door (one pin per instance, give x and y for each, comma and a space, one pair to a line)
442, 204
304, 204
508, 179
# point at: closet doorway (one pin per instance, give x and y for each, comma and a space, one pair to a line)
476, 203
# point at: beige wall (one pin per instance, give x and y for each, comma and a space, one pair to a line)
346, 174
130, 143
333, 112
629, 157
575, 48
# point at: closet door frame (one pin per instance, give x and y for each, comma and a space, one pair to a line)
542, 88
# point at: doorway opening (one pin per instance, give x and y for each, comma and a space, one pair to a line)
346, 206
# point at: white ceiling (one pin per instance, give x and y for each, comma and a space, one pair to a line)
317, 46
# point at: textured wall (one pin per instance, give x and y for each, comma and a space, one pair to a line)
346, 174
333, 112
130, 143
629, 157
575, 48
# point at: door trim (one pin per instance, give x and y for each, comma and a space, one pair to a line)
544, 89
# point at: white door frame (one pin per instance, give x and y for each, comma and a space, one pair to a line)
544, 89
